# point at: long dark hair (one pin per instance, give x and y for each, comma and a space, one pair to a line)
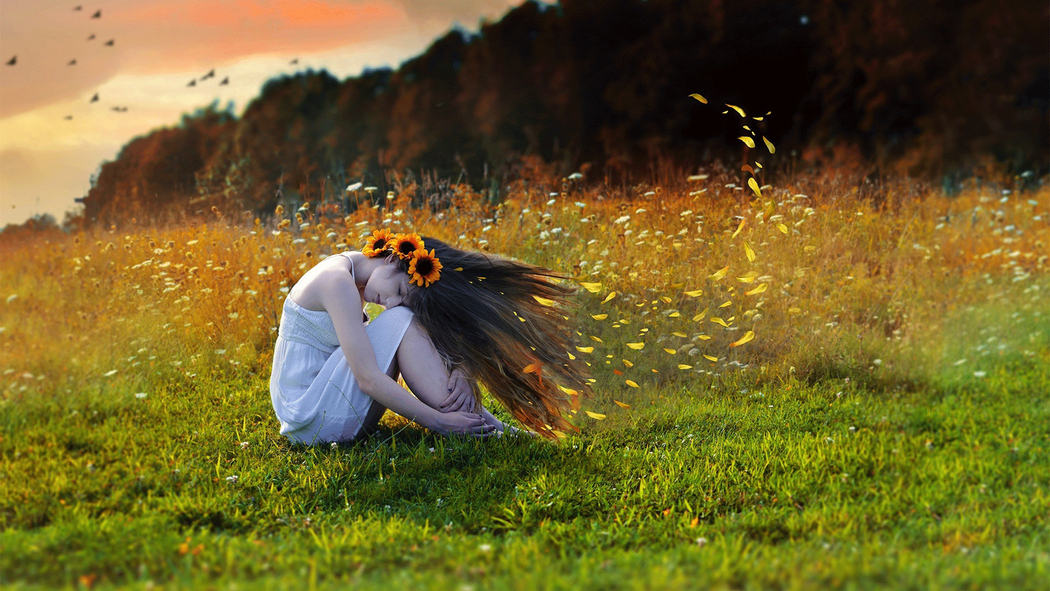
484, 317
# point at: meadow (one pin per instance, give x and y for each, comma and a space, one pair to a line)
820, 384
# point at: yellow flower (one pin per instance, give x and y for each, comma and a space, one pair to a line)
425, 268
405, 245
378, 243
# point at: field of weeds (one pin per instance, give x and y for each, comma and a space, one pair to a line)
823, 384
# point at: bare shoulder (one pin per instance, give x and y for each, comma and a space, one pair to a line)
333, 273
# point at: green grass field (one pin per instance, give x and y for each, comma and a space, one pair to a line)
138, 449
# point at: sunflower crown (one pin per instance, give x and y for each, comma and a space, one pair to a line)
423, 266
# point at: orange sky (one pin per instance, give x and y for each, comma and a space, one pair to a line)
52, 138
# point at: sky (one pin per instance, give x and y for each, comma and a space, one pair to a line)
53, 137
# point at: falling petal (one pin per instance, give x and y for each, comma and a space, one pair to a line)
695, 293
677, 285
738, 110
591, 287
710, 358
665, 299
744, 339
617, 372
531, 368
621, 404
748, 277
585, 349
747, 141
718, 320
751, 182
631, 383
750, 253
747, 168
701, 315
680, 335
594, 415
669, 351
636, 346
740, 227
757, 118
761, 287
596, 339
699, 98
628, 363
769, 145
609, 297
703, 337
758, 164
568, 391
718, 275
782, 228
599, 316
673, 315
684, 366
726, 303
543, 301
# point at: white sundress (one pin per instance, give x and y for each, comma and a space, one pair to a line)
314, 393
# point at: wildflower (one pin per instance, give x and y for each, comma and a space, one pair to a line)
232, 479
141, 395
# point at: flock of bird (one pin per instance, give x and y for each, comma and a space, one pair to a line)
123, 109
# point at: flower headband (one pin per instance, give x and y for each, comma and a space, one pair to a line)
423, 266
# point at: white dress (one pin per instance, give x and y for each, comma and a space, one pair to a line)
314, 394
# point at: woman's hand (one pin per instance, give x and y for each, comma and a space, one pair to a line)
461, 396
461, 423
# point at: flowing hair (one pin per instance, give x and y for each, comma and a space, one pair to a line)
484, 317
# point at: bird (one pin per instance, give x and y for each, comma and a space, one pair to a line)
92, 37
110, 42
72, 62
120, 109
97, 14
210, 74
68, 117
13, 60
192, 82
78, 8
94, 99
293, 62
225, 81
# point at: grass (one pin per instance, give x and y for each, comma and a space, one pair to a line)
888, 426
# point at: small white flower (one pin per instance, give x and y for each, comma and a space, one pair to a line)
12, 298
232, 479
109, 373
701, 542
979, 374
220, 351
244, 444
141, 395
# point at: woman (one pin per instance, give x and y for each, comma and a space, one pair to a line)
452, 318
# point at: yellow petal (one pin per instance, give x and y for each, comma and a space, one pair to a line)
609, 297
680, 335
751, 182
621, 404
699, 98
757, 118
631, 383
585, 349
594, 415
636, 346
737, 109
744, 339
694, 293
703, 337
599, 316
750, 253
718, 320
544, 301
710, 358
758, 164
596, 339
568, 391
591, 287
727, 302
719, 274
701, 315
673, 315
782, 228
531, 368
665, 299
769, 145
669, 351
740, 227
677, 285
747, 141
761, 287
628, 363
571, 356
684, 366
748, 277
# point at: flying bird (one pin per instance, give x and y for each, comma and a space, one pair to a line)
91, 37
94, 99
97, 14
293, 62
210, 74
225, 81
13, 60
120, 109
192, 82
72, 62
68, 117
110, 42
78, 8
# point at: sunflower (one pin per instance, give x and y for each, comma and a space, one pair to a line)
425, 268
378, 243
406, 244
